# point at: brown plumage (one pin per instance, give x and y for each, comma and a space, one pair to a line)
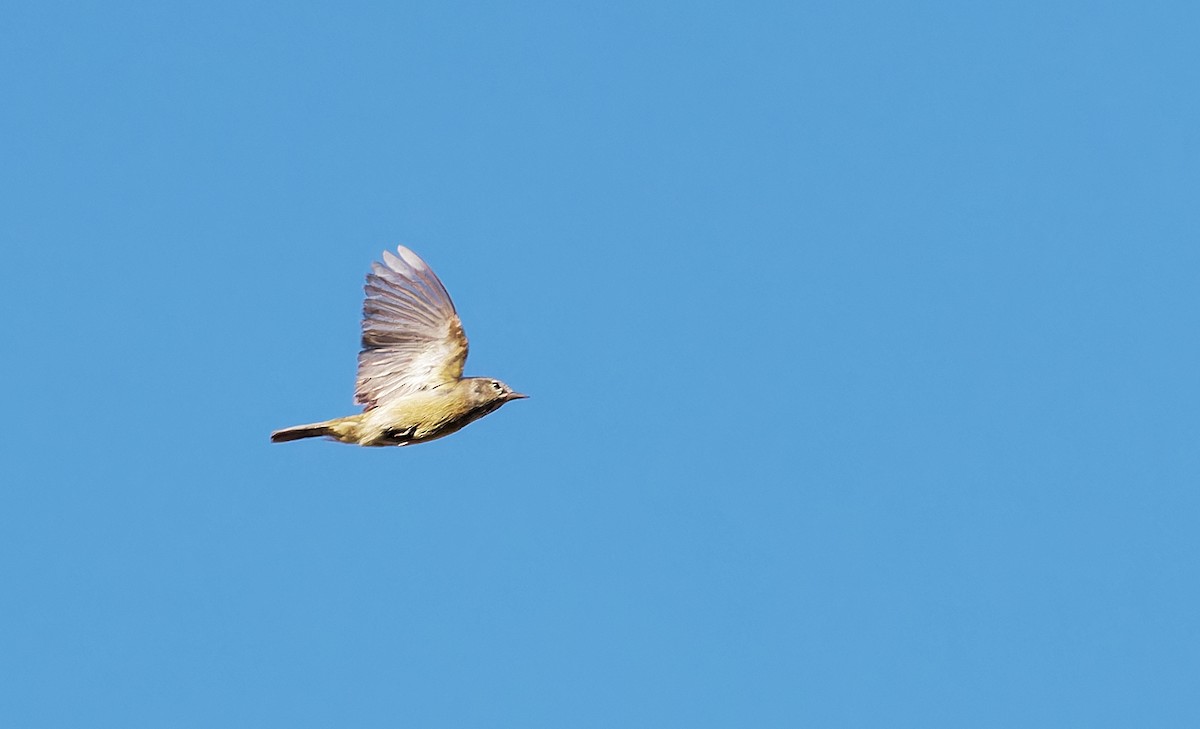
410, 368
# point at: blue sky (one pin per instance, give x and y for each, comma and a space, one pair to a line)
861, 340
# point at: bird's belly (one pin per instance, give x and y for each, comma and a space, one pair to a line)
417, 421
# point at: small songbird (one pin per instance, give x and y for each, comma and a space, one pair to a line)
410, 368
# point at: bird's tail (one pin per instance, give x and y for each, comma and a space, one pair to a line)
343, 429
296, 432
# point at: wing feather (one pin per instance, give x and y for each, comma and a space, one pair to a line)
412, 338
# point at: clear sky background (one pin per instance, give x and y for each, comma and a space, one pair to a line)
861, 339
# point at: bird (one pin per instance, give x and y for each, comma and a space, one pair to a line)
410, 368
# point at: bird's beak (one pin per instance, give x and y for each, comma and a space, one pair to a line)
516, 396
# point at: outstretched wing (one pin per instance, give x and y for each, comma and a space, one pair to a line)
412, 338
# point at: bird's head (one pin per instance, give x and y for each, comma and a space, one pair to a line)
488, 390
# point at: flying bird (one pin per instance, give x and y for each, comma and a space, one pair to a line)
410, 381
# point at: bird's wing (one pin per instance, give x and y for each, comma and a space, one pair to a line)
412, 339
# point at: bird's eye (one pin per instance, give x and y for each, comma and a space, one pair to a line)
496, 386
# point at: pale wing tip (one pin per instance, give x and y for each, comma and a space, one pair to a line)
407, 259
391, 261
411, 267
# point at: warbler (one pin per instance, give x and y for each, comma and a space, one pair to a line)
410, 368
